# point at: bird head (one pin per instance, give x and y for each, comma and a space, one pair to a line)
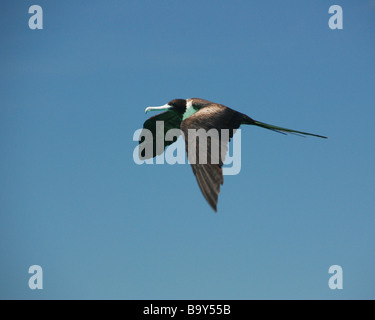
177, 105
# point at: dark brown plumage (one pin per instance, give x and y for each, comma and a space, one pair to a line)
210, 175
196, 114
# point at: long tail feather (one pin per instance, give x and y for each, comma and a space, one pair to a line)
285, 130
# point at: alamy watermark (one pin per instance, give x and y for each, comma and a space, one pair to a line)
36, 280
336, 21
36, 20
336, 281
201, 147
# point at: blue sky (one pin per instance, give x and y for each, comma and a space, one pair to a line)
73, 201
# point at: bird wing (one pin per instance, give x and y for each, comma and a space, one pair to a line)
171, 120
209, 173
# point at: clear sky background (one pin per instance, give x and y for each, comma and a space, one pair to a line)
73, 201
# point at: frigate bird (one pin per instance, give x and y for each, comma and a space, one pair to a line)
196, 113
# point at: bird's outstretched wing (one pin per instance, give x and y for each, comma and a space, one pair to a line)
170, 120
207, 166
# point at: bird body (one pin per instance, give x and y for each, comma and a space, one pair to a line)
194, 115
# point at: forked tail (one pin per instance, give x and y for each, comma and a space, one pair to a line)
248, 120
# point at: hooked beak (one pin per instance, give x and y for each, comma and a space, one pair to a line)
165, 107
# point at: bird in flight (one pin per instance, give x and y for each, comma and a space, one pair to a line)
196, 113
